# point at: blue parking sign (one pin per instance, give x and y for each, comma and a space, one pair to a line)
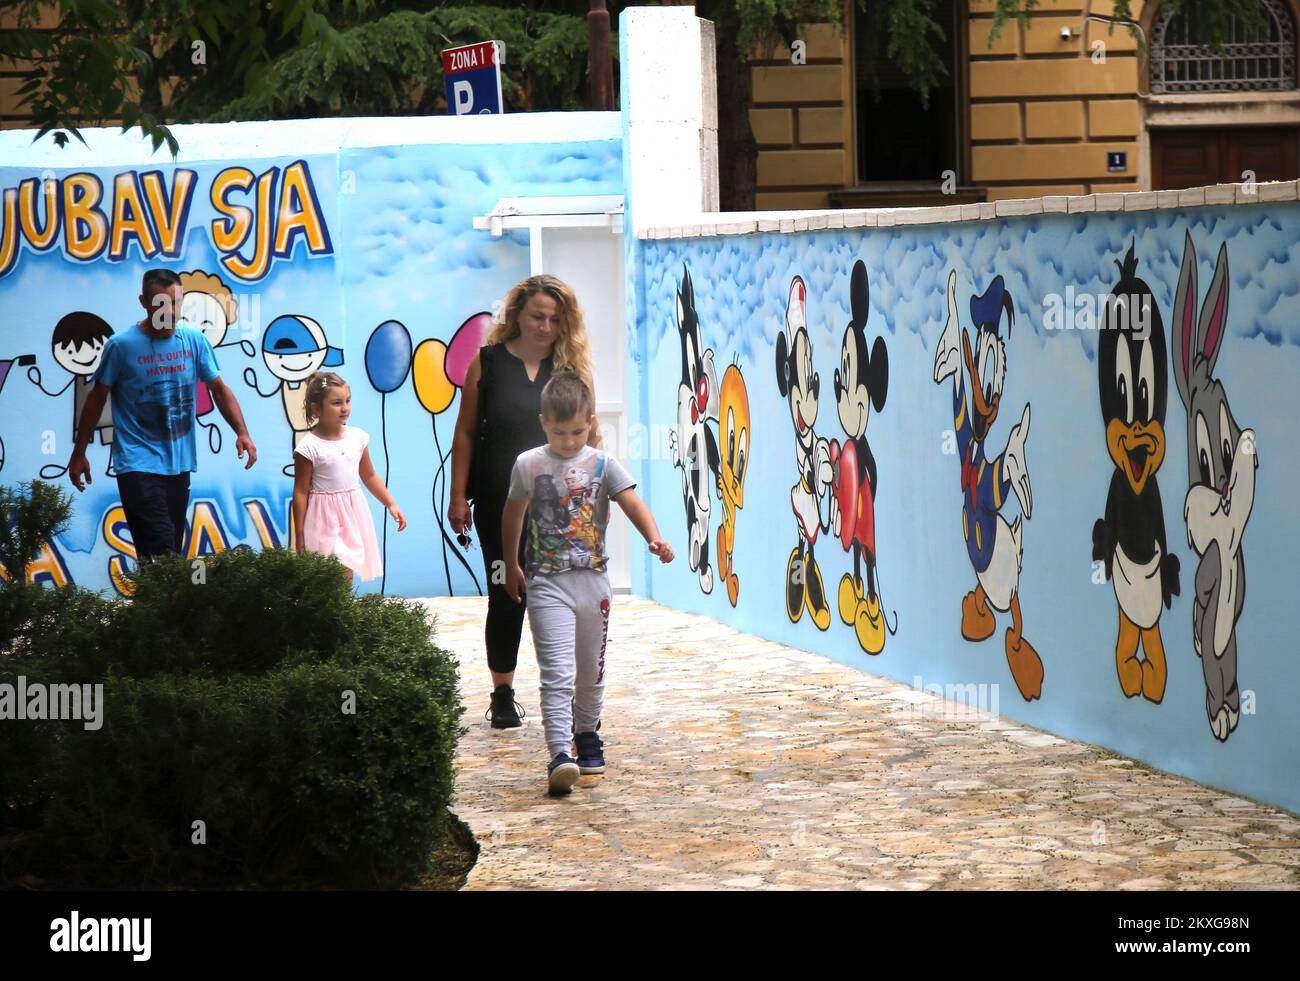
472, 75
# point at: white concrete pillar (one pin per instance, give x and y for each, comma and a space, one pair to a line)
670, 102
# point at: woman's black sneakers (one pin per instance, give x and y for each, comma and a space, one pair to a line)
504, 712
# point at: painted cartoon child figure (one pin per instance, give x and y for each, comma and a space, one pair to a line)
210, 306
994, 546
294, 348
77, 346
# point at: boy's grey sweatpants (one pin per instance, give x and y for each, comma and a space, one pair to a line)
568, 613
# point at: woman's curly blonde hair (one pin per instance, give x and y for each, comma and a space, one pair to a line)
571, 347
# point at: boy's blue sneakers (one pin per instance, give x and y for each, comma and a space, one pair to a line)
591, 753
561, 774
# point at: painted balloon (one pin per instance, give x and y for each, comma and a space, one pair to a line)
464, 345
432, 386
388, 356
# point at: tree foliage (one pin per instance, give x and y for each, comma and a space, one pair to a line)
272, 59
275, 59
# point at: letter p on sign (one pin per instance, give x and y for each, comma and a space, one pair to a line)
463, 94
472, 76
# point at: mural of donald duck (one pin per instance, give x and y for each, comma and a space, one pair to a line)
994, 546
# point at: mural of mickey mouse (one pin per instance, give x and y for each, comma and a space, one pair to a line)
1133, 383
801, 387
861, 384
993, 544
694, 445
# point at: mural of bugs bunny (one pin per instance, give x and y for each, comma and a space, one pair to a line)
1221, 464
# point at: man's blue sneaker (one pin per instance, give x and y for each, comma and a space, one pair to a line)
562, 774
591, 752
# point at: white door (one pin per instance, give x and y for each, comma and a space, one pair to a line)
590, 259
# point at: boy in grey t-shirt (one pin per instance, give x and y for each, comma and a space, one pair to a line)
565, 487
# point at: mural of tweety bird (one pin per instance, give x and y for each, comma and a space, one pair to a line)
733, 415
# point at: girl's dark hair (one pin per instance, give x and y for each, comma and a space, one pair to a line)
565, 396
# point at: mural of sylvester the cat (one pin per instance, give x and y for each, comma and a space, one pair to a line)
694, 443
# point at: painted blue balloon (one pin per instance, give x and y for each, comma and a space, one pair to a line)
388, 356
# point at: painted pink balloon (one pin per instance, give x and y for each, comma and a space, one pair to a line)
465, 344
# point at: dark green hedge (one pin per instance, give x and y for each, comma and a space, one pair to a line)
224, 695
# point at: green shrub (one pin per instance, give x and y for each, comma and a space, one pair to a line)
31, 513
42, 633
223, 702
292, 792
240, 611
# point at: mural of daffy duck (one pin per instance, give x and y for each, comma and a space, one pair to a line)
1133, 382
995, 547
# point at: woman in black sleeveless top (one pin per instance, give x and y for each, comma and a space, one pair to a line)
541, 331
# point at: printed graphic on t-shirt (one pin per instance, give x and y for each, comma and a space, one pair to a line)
166, 410
564, 531
568, 508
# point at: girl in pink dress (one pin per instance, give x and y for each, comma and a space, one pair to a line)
331, 463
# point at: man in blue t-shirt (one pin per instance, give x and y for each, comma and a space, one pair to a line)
152, 370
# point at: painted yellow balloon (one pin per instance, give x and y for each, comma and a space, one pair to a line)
432, 386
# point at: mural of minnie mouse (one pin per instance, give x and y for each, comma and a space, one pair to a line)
801, 387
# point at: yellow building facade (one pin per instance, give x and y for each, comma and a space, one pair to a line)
1068, 104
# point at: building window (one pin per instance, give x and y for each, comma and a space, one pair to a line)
898, 139
1250, 60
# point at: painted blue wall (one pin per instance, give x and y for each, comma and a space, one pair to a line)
741, 289
397, 208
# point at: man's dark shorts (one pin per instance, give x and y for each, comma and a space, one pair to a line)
155, 506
